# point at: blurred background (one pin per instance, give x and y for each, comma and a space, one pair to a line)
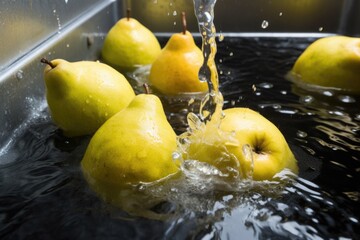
25, 24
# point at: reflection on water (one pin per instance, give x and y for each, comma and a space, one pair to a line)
43, 194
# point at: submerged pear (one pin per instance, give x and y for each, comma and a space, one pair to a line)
83, 95
244, 143
130, 44
134, 146
330, 62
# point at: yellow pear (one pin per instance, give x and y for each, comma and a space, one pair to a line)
267, 154
129, 44
176, 70
134, 146
83, 95
332, 62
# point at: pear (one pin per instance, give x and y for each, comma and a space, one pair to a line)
129, 44
134, 146
82, 95
330, 62
176, 70
245, 142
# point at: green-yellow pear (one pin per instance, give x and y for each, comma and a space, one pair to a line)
268, 152
332, 62
134, 146
82, 95
176, 69
129, 44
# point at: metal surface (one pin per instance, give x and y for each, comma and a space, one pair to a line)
21, 83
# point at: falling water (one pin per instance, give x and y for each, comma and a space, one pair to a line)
212, 104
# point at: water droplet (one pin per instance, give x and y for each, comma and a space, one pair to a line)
174, 13
307, 99
232, 103
346, 99
276, 106
283, 92
221, 37
66, 1
321, 29
253, 87
19, 75
328, 93
280, 14
301, 134
67, 45
357, 117
176, 156
264, 24
288, 111
207, 17
337, 113
266, 85
231, 54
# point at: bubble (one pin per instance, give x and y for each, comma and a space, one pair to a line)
20, 74
301, 134
264, 24
276, 106
328, 93
346, 99
266, 85
307, 99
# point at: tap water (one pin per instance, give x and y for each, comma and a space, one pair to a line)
43, 194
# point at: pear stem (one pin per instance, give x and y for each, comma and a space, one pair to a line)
146, 88
44, 60
128, 11
183, 20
